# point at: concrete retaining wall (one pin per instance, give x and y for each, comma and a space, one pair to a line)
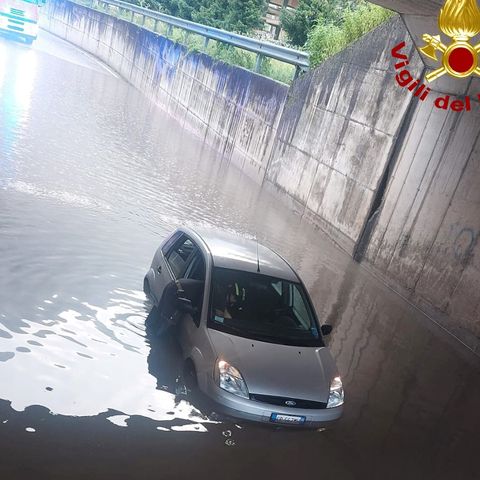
427, 234
345, 142
338, 130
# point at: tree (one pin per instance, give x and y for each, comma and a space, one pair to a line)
309, 13
325, 40
241, 16
151, 4
247, 15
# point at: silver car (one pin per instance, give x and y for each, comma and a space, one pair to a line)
248, 331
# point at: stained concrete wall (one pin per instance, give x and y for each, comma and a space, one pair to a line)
345, 142
426, 236
337, 132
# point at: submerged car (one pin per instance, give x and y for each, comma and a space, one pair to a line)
249, 333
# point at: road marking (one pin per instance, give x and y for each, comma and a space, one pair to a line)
99, 62
90, 56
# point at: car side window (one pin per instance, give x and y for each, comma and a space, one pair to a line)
195, 273
196, 269
170, 242
178, 258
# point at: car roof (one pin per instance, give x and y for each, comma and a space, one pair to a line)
230, 250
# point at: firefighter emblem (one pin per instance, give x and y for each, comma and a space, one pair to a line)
460, 21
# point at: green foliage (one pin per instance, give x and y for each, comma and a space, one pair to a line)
299, 23
240, 16
150, 4
357, 22
282, 72
327, 39
232, 55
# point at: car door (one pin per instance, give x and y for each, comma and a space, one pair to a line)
172, 263
189, 328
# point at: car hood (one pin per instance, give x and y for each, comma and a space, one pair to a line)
278, 370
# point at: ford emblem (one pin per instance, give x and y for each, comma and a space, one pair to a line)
290, 403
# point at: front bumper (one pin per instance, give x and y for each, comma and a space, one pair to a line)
261, 412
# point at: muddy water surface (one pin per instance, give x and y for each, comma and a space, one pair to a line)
92, 178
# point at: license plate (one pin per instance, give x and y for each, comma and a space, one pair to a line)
288, 419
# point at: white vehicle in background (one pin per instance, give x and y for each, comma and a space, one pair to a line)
19, 18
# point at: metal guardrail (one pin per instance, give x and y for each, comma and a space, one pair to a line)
262, 49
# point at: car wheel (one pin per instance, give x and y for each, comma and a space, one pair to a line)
146, 287
190, 376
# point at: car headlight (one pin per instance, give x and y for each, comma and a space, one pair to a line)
337, 395
231, 380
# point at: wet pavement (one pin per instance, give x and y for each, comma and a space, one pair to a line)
92, 178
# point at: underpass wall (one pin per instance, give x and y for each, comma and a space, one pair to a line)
426, 239
338, 131
352, 149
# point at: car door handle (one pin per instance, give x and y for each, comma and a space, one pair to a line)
159, 269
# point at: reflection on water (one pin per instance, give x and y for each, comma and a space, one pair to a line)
92, 178
83, 350
15, 98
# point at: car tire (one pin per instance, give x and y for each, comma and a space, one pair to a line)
190, 376
146, 287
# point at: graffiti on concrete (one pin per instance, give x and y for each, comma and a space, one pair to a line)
464, 244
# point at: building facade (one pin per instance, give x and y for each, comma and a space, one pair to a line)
272, 18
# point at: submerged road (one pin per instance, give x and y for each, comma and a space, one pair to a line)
92, 178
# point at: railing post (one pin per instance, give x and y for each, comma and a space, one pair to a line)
132, 16
155, 27
169, 31
143, 20
258, 63
205, 44
298, 71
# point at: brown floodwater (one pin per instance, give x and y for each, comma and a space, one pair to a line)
92, 178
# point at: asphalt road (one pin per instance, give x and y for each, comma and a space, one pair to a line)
92, 178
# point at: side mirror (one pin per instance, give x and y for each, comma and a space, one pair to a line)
184, 305
326, 330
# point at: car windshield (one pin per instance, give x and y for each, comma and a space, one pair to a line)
263, 308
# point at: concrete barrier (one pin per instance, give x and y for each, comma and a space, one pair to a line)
378, 170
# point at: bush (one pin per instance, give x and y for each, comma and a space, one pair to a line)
232, 55
298, 23
326, 40
363, 19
